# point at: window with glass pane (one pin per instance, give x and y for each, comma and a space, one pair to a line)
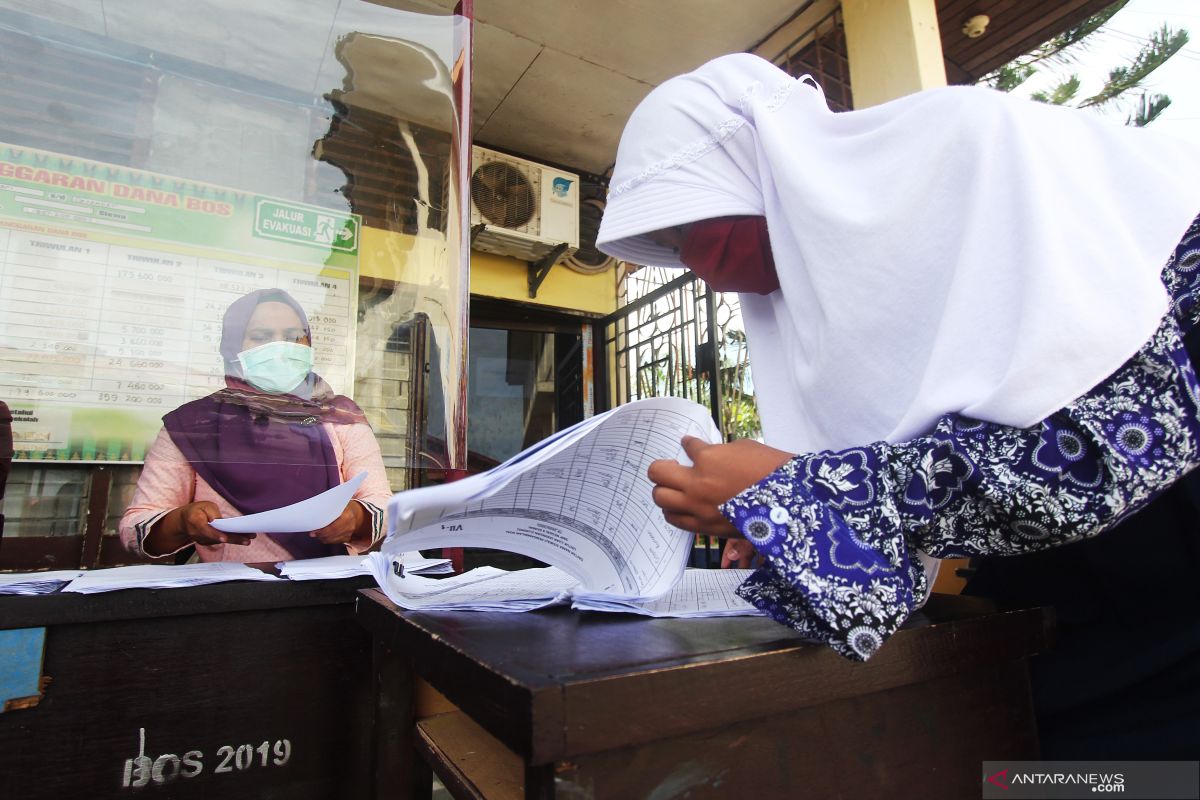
231, 265
524, 385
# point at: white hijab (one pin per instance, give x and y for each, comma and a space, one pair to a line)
957, 250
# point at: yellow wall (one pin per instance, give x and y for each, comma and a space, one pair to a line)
894, 48
508, 278
402, 257
420, 261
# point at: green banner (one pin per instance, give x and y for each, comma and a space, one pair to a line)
114, 284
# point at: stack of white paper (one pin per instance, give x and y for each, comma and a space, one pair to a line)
164, 576
579, 500
417, 564
333, 567
29, 583
700, 593
480, 589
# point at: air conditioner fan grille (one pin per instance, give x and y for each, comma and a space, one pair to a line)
503, 195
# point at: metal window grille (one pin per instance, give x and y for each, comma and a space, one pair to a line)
674, 341
821, 52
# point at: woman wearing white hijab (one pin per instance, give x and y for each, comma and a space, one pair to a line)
957, 317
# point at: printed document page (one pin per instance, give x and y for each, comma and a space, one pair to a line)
29, 583
348, 566
579, 501
700, 593
480, 589
164, 576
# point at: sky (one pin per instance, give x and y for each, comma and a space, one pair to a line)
1119, 42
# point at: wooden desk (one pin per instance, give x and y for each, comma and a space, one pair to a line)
206, 675
617, 706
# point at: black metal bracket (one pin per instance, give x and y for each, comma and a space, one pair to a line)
538, 270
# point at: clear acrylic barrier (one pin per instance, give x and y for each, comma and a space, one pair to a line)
160, 159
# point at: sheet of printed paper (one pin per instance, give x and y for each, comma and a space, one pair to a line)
347, 566
581, 503
700, 593
480, 589
164, 576
307, 515
36, 582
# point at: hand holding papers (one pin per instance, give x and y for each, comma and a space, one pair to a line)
307, 515
579, 501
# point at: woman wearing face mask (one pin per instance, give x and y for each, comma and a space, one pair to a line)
957, 321
275, 435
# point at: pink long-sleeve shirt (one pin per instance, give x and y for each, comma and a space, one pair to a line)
168, 481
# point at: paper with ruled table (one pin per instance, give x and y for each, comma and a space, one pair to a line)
700, 593
579, 501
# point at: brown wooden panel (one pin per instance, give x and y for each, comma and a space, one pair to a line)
66, 608
922, 740
502, 705
1016, 27
794, 678
556, 684
205, 692
22, 553
470, 762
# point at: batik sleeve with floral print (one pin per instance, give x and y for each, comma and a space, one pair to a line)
839, 531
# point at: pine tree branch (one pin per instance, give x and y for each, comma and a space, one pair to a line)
1060, 94
1163, 44
1149, 107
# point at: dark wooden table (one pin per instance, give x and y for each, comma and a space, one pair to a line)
232, 690
618, 706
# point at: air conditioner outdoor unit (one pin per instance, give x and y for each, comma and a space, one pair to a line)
526, 209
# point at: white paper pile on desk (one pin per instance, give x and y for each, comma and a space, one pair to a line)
699, 593
30, 583
333, 567
171, 576
579, 501
480, 589
164, 576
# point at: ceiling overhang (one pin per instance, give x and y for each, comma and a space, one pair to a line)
555, 81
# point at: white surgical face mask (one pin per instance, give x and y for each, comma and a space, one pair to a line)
276, 367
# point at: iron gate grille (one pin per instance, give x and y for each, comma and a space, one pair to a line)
663, 345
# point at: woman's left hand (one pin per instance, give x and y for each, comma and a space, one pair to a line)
343, 529
689, 496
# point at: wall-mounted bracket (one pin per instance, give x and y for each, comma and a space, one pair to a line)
538, 270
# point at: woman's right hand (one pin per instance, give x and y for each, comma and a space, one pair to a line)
186, 525
194, 520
